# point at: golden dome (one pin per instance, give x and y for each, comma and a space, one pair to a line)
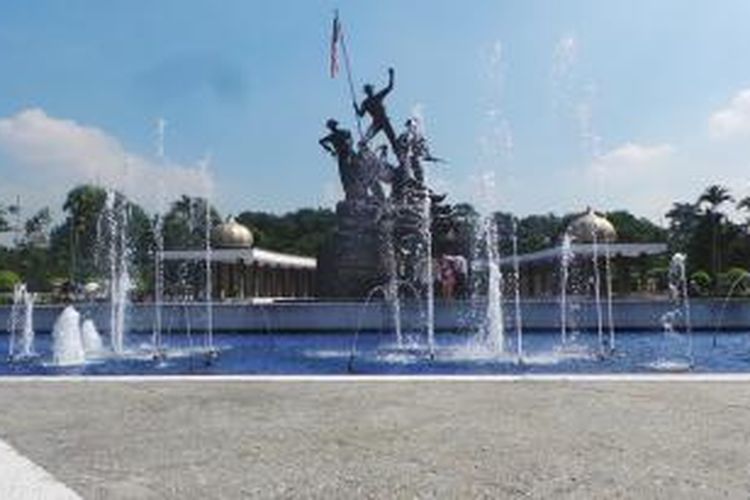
583, 228
231, 234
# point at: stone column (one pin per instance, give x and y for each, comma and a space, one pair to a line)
241, 269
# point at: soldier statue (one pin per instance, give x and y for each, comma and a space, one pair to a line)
339, 144
413, 147
373, 106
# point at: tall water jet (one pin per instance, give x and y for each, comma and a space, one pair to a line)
392, 294
597, 291
678, 286
670, 321
517, 292
608, 280
15, 312
120, 283
21, 328
67, 348
27, 331
207, 259
429, 273
156, 340
566, 256
494, 327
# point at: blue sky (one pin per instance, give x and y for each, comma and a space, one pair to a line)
616, 104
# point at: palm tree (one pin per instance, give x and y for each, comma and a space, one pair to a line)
711, 200
683, 220
744, 204
714, 196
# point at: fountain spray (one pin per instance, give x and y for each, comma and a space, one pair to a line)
392, 294
120, 283
494, 327
679, 287
517, 292
156, 341
21, 323
598, 292
210, 349
429, 273
566, 255
610, 315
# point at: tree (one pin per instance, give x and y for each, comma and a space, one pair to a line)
683, 221
537, 232
743, 205
184, 225
302, 232
711, 200
8, 279
4, 224
632, 229
37, 227
79, 245
73, 243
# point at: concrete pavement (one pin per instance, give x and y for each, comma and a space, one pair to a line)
392, 439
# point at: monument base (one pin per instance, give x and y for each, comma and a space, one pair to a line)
353, 261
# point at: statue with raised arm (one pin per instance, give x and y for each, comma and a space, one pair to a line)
339, 144
373, 106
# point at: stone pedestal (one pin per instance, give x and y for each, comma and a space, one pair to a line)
352, 262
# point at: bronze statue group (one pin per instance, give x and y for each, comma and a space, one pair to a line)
364, 170
393, 228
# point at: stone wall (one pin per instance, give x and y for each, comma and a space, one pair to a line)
336, 316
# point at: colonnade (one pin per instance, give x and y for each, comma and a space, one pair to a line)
236, 280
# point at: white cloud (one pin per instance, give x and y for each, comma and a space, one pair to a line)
56, 154
732, 121
631, 158
634, 176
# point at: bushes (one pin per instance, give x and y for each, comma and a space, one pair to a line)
8, 279
700, 283
735, 281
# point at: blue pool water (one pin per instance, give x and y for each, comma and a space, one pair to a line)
330, 353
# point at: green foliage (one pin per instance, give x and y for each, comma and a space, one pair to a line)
73, 243
76, 248
8, 279
709, 238
700, 283
717, 247
184, 225
537, 232
37, 227
735, 281
302, 232
632, 229
4, 224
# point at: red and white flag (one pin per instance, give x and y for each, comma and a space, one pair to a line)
335, 38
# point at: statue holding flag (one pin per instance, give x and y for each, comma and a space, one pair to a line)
382, 222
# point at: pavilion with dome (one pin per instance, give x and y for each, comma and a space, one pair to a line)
242, 271
589, 237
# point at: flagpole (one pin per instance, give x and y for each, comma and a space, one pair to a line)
349, 78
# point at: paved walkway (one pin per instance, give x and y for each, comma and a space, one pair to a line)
21, 479
420, 439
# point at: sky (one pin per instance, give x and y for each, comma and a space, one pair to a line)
538, 106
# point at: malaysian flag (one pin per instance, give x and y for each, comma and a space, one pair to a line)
335, 39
